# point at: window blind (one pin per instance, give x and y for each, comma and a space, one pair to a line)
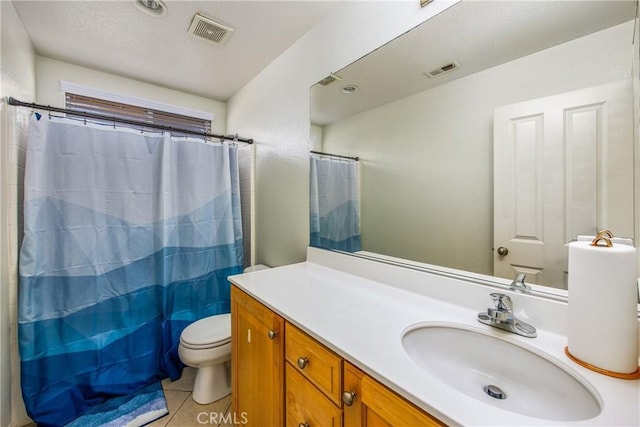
118, 110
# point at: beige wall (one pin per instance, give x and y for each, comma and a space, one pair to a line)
274, 109
315, 137
19, 81
50, 72
427, 160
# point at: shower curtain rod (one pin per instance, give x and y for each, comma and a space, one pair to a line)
15, 102
335, 155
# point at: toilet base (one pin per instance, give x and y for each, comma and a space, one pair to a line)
212, 383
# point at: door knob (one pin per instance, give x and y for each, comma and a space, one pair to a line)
502, 251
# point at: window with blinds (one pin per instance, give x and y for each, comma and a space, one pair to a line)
118, 110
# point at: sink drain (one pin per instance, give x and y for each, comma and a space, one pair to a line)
494, 391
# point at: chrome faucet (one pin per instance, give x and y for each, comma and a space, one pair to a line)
518, 284
501, 316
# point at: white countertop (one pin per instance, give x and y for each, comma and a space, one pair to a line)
363, 320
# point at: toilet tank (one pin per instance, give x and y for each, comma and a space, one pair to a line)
256, 267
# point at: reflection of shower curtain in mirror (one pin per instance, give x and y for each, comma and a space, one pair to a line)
129, 237
334, 204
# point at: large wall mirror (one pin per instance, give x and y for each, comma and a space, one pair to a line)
494, 125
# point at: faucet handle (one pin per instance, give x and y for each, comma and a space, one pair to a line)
519, 285
502, 302
502, 317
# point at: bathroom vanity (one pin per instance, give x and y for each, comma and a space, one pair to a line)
327, 342
319, 385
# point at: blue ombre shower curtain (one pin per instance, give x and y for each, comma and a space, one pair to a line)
128, 238
334, 204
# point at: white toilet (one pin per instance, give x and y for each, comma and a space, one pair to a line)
206, 345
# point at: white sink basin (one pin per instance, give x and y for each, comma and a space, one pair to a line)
511, 376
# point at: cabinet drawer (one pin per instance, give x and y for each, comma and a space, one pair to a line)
306, 405
315, 362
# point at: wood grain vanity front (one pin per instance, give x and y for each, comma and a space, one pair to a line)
257, 346
282, 376
305, 405
374, 405
322, 367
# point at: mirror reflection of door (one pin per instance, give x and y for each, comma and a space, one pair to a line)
563, 167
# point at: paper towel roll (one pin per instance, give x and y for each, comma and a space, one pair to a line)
603, 329
615, 240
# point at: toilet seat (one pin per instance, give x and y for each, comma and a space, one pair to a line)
209, 332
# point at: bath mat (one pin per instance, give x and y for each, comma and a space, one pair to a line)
141, 408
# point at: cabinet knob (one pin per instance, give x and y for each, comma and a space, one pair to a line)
303, 425
348, 397
272, 334
302, 362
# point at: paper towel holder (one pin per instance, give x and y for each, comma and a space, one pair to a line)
603, 235
606, 237
632, 376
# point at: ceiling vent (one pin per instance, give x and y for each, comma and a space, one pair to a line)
330, 79
442, 70
209, 30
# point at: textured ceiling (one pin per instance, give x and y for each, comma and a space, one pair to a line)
477, 35
114, 36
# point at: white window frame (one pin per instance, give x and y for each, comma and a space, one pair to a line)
135, 101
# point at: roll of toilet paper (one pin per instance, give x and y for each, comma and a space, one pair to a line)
602, 327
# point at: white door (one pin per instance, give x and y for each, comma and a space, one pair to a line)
563, 167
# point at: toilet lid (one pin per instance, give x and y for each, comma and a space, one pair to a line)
208, 332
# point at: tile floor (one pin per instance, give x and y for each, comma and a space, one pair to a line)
185, 412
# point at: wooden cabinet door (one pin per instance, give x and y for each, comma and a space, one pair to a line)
374, 405
306, 405
257, 358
